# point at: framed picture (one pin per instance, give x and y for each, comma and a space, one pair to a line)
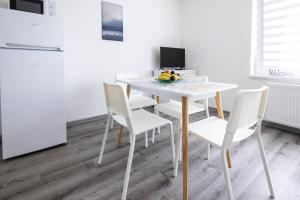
112, 21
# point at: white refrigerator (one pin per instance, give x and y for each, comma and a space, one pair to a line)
32, 106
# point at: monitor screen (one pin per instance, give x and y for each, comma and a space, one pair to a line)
172, 57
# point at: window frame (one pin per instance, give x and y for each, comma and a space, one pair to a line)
257, 70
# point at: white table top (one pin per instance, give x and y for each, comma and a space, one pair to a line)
193, 89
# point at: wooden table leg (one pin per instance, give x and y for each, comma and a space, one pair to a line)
229, 159
219, 105
157, 99
120, 135
128, 90
185, 147
221, 116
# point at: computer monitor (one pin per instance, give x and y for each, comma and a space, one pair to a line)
172, 58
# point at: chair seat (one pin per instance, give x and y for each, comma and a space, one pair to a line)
140, 101
174, 108
142, 121
213, 130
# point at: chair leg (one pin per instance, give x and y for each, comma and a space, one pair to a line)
178, 150
153, 135
128, 169
146, 139
104, 139
180, 141
158, 128
112, 124
153, 132
263, 158
208, 152
206, 107
180, 146
227, 175
207, 112
173, 149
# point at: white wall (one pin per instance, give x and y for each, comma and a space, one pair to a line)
4, 3
89, 60
215, 33
217, 38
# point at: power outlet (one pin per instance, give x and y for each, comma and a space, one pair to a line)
52, 8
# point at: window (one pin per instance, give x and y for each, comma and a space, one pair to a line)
276, 38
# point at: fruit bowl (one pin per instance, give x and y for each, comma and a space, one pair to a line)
168, 77
168, 81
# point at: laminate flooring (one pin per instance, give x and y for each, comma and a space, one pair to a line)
71, 172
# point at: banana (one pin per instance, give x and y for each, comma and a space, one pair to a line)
163, 78
176, 77
166, 74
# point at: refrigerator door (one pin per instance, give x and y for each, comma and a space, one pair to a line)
22, 30
32, 100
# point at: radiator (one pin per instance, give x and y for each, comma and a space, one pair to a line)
284, 104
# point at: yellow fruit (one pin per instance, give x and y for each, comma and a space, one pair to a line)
176, 77
165, 78
165, 74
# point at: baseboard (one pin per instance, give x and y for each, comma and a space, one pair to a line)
85, 120
282, 127
266, 123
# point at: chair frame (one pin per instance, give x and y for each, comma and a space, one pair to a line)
235, 123
120, 106
125, 76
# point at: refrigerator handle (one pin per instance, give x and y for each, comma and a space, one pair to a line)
32, 47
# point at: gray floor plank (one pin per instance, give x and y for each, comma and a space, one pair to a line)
71, 172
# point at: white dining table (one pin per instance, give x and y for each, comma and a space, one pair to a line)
184, 91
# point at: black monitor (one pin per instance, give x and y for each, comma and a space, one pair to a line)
172, 58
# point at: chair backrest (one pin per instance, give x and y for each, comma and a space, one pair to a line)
249, 109
125, 76
117, 102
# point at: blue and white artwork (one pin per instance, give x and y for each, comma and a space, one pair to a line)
112, 21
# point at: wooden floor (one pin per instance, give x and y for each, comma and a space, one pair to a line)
70, 171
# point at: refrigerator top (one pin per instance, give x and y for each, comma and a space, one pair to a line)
22, 30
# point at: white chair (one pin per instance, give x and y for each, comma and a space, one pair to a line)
174, 109
248, 111
136, 99
137, 122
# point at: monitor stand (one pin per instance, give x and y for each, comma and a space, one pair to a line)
171, 68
